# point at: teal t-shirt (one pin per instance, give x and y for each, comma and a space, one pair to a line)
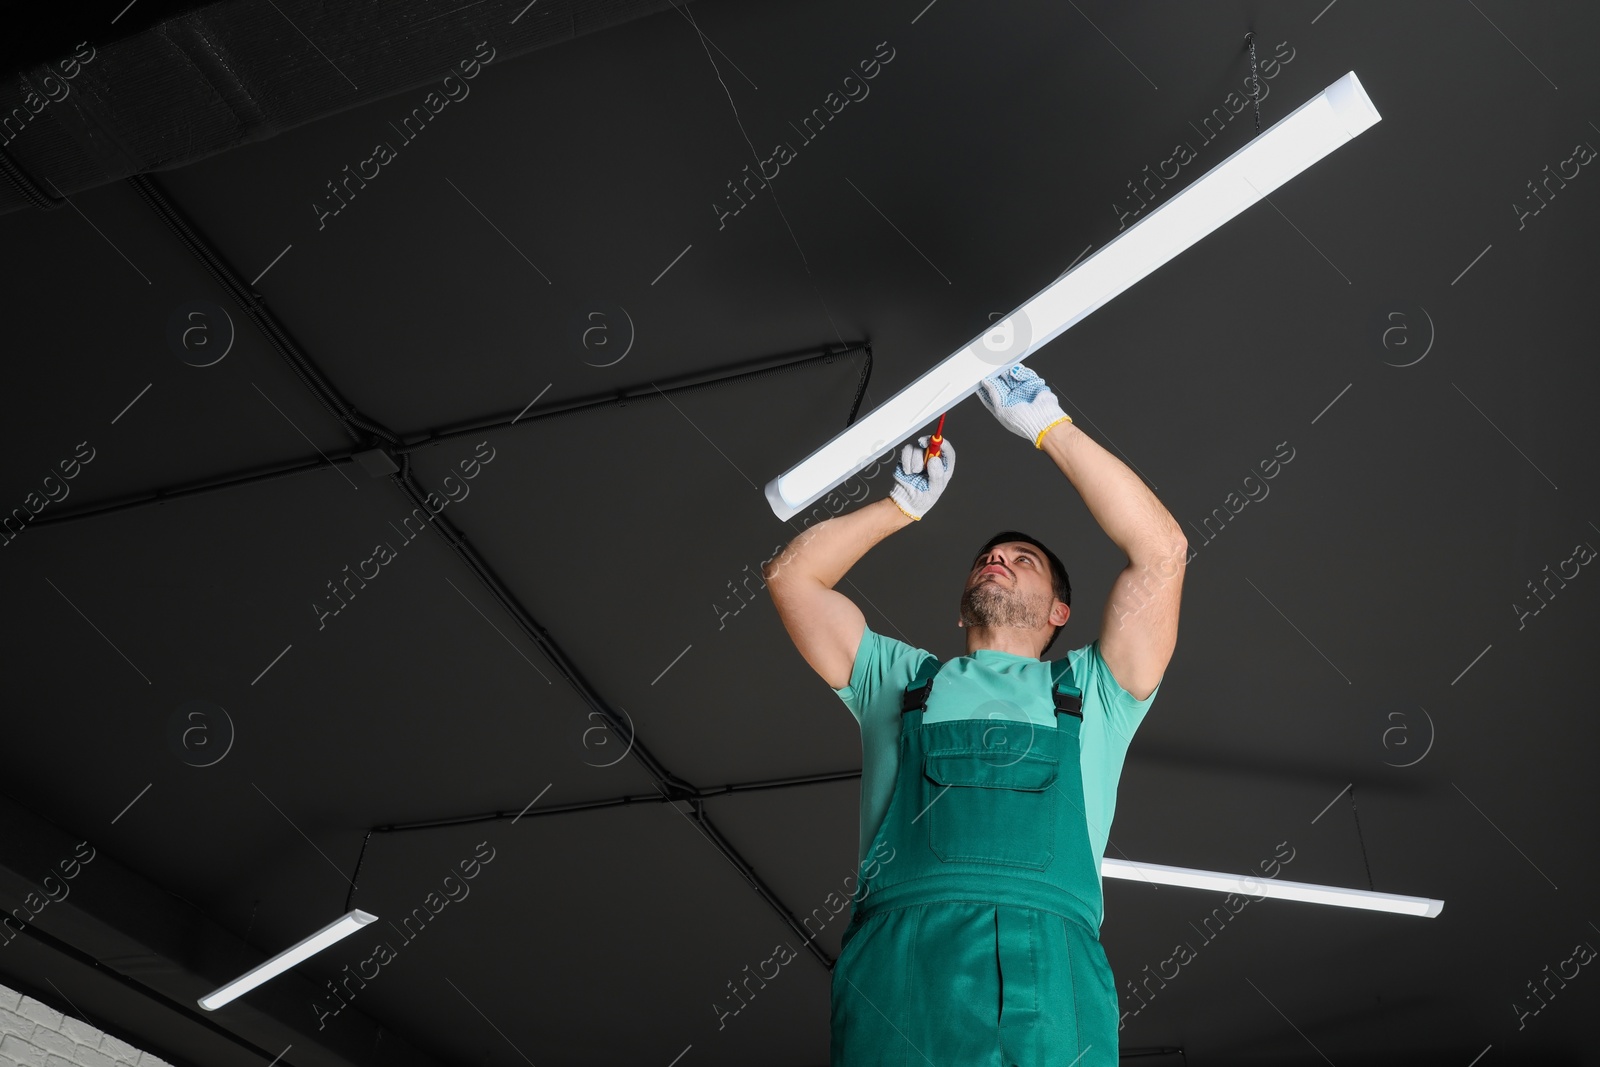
989, 684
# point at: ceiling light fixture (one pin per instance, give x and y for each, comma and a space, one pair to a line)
1332, 118
337, 930
1254, 886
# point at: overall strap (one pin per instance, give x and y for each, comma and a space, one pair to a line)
915, 698
1068, 697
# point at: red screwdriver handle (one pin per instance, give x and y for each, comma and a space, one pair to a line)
938, 439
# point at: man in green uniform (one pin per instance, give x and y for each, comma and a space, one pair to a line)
989, 780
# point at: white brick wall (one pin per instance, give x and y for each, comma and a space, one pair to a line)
34, 1035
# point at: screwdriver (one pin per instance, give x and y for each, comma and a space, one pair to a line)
938, 438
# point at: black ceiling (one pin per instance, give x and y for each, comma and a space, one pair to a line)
1363, 616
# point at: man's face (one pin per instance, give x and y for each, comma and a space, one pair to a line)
1009, 585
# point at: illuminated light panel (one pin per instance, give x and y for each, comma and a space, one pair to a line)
1332, 118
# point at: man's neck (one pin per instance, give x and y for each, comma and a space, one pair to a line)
1016, 642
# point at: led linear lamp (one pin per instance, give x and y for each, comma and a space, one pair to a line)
1426, 907
1328, 120
337, 930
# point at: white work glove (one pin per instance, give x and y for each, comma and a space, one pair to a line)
1022, 402
918, 483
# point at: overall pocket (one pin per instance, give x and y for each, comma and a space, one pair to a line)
985, 808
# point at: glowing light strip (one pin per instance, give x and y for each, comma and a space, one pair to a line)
1332, 118
1254, 886
337, 930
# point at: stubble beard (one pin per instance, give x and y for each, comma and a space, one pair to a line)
991, 605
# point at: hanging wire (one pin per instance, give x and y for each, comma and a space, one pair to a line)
1363, 840
357, 872
1255, 80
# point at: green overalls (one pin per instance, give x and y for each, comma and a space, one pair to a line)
976, 944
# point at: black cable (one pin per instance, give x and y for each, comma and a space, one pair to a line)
1254, 79
556, 409
1363, 840
861, 387
357, 872
656, 797
250, 301
25, 184
430, 438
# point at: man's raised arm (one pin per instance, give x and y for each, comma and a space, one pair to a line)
826, 552
1139, 626
825, 625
